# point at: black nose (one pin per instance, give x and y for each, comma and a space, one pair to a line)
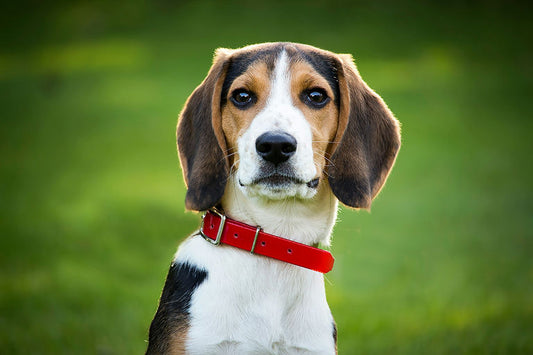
275, 147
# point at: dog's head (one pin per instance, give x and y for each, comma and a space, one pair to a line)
284, 118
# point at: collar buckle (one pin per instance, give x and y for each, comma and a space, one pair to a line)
220, 227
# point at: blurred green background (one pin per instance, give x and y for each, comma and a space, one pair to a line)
91, 193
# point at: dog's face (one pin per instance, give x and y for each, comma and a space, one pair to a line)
278, 117
286, 120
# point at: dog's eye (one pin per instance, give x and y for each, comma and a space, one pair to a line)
315, 98
242, 98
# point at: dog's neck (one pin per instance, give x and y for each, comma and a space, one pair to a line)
308, 221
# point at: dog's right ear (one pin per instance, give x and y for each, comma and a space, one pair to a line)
201, 142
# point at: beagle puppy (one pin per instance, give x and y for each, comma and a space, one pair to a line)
273, 138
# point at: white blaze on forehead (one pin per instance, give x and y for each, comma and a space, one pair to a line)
279, 115
281, 83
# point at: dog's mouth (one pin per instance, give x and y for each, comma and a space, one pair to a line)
280, 181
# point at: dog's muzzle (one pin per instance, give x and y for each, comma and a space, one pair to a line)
275, 149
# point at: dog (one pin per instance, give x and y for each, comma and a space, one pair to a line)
269, 142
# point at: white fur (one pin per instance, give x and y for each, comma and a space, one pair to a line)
279, 114
251, 304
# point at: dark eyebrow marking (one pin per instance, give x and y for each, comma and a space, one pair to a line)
239, 64
326, 67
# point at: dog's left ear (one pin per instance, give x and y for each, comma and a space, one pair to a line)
368, 139
201, 142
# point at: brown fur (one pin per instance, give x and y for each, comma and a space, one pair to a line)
178, 339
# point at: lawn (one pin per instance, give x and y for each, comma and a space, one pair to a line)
92, 199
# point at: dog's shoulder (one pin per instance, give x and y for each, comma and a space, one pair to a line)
171, 322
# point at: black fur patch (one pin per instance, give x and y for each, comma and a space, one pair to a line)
239, 64
173, 311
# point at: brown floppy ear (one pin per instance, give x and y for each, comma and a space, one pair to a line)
201, 142
369, 139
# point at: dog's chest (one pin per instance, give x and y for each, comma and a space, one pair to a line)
249, 304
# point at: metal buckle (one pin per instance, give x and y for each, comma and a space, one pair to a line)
220, 228
257, 230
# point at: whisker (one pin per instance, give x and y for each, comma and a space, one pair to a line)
232, 154
323, 154
227, 156
324, 171
325, 141
233, 167
229, 150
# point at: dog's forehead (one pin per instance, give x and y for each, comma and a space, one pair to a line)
324, 63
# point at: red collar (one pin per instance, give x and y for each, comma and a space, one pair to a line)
217, 228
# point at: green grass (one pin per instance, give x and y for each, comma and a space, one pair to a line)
92, 196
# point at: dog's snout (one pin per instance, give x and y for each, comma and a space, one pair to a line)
275, 147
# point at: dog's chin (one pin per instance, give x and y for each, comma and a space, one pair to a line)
279, 187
